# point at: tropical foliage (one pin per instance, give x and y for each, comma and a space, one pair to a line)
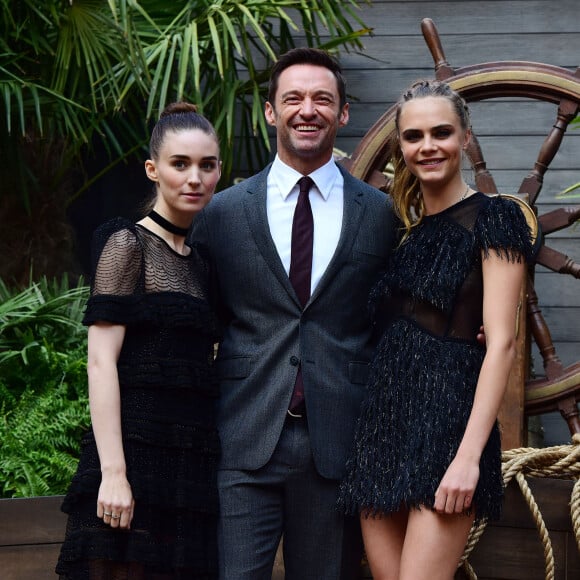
43, 386
83, 75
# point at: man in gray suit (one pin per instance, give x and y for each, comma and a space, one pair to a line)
282, 461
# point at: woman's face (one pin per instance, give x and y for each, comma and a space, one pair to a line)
186, 173
432, 140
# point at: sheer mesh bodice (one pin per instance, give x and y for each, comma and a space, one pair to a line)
168, 395
427, 309
148, 265
448, 303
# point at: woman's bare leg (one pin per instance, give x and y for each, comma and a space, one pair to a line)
384, 536
434, 544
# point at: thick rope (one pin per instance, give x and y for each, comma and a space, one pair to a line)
560, 462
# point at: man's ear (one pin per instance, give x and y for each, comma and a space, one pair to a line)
344, 116
270, 114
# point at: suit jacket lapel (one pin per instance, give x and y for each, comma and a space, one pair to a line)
353, 211
257, 216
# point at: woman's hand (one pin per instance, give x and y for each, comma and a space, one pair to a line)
115, 502
455, 492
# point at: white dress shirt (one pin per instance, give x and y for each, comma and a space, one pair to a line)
327, 202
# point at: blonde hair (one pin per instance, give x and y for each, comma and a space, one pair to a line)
405, 187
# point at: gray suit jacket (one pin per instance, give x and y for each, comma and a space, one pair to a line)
267, 333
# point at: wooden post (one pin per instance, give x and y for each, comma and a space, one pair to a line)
511, 413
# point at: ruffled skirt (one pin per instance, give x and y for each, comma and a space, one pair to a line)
419, 399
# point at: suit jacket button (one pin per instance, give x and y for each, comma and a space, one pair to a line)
294, 361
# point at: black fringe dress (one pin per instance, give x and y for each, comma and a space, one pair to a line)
168, 398
428, 309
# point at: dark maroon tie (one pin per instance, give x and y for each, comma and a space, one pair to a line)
301, 264
302, 234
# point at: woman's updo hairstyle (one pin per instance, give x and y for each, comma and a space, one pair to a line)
179, 116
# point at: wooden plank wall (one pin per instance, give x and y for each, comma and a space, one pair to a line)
32, 529
513, 548
510, 131
31, 532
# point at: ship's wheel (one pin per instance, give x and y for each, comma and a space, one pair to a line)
560, 389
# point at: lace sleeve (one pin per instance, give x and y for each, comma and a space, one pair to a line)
501, 226
117, 273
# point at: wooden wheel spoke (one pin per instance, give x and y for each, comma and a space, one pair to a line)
483, 178
532, 183
442, 69
557, 262
558, 219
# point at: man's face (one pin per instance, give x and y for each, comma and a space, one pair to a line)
307, 115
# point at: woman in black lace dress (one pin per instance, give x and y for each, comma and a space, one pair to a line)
427, 456
143, 503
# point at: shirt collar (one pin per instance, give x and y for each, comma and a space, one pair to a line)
285, 177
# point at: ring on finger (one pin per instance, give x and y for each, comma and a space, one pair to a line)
116, 516
108, 514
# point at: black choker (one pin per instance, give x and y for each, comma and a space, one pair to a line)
166, 225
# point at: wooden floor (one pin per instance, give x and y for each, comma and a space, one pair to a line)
31, 531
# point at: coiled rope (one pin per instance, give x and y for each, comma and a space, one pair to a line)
559, 462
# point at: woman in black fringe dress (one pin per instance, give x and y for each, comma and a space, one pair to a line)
426, 461
143, 503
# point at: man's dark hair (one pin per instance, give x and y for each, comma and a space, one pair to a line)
314, 56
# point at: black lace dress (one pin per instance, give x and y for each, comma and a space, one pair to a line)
168, 398
428, 310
